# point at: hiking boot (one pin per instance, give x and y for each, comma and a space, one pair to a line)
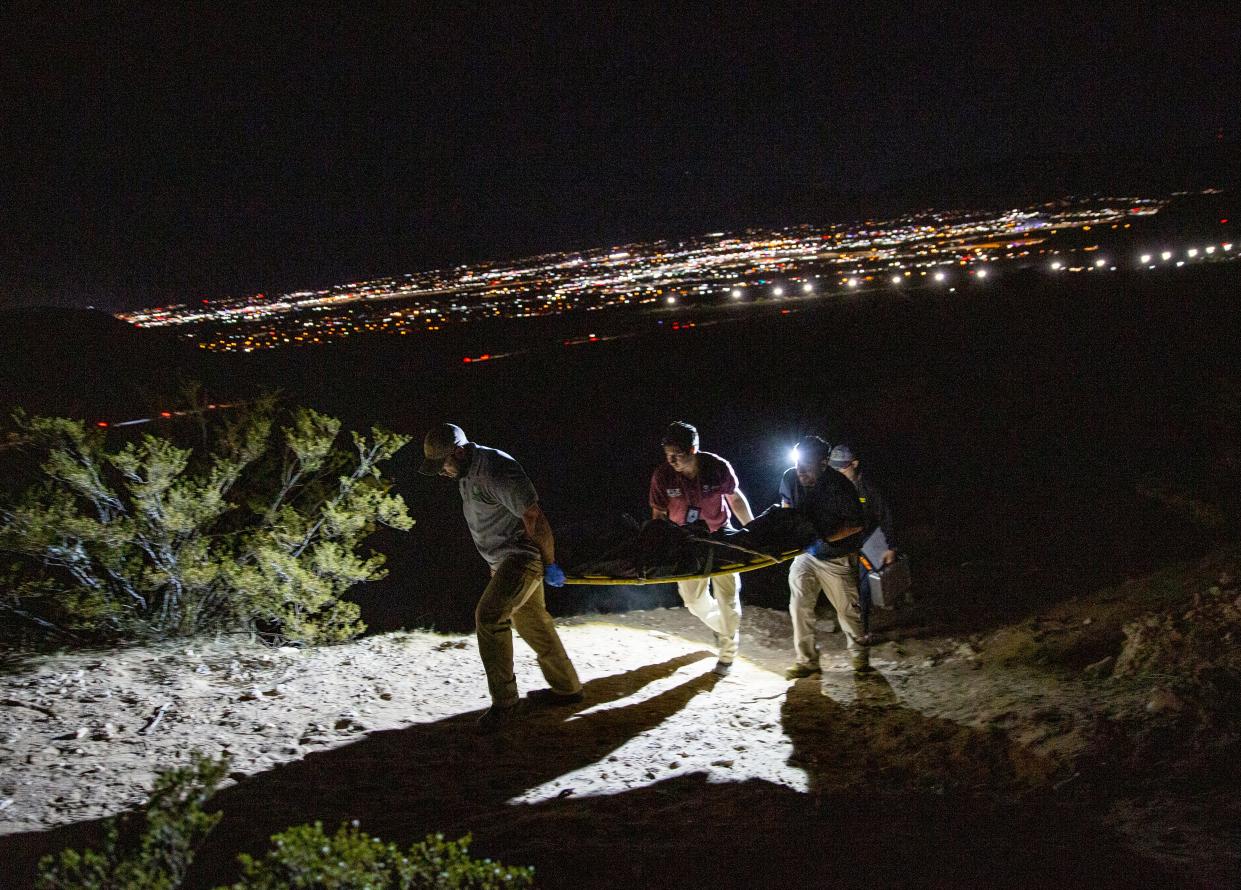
497, 717
552, 698
797, 671
861, 661
722, 668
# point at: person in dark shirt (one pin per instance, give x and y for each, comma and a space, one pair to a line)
830, 565
878, 516
698, 486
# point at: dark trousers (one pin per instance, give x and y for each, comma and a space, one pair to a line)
863, 589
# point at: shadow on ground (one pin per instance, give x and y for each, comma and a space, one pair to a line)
930, 825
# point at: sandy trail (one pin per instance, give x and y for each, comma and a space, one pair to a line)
935, 769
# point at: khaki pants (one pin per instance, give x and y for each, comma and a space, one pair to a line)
838, 579
514, 599
721, 613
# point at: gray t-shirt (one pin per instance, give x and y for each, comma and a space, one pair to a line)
495, 492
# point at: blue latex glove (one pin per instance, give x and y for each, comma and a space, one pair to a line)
818, 550
553, 575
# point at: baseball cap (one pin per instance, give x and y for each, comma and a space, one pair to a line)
438, 444
841, 457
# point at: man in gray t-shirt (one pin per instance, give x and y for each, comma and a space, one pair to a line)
513, 536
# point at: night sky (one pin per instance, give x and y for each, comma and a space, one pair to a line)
155, 155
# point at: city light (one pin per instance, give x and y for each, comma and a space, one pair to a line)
1192, 252
629, 277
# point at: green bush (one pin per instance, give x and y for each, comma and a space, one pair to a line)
305, 857
259, 528
159, 847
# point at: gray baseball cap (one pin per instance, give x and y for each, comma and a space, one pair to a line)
841, 457
440, 442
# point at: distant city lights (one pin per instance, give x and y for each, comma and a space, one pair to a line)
693, 273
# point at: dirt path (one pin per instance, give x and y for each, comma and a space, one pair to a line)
936, 770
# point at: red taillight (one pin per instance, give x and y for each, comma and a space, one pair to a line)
102, 424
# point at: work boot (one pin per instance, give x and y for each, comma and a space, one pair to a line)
799, 670
861, 660
552, 698
496, 718
722, 668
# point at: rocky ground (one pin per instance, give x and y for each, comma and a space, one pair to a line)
955, 762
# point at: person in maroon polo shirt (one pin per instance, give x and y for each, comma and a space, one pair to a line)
690, 486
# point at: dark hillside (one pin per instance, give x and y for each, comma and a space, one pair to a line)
88, 364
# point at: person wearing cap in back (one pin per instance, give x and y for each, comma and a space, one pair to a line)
878, 515
830, 564
698, 486
513, 536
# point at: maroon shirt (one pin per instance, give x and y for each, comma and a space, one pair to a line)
677, 495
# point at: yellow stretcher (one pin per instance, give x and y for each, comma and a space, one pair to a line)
758, 561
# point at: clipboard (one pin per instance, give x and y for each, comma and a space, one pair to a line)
874, 547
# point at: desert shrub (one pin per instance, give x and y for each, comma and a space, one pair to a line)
151, 851
154, 851
306, 857
260, 527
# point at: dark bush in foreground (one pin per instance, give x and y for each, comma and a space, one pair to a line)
153, 854
305, 857
149, 540
157, 851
